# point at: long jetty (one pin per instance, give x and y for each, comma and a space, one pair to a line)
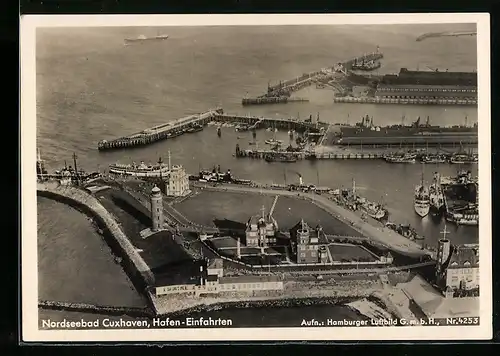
160, 132
96, 309
280, 93
178, 127
82, 199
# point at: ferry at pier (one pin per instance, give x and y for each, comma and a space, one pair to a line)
140, 170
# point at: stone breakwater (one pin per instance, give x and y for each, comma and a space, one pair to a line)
95, 309
139, 272
294, 295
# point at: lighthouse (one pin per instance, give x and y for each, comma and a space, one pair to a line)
156, 209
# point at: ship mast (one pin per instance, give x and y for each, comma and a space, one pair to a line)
76, 168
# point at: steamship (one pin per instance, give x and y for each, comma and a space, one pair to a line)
140, 170
422, 200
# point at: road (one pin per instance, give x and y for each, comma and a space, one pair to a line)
379, 233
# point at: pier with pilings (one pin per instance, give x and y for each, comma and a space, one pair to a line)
161, 132
255, 122
181, 126
281, 92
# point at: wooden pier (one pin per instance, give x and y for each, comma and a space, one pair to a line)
160, 132
178, 127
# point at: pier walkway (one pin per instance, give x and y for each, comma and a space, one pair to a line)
381, 234
82, 198
178, 127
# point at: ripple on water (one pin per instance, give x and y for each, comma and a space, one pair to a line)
75, 263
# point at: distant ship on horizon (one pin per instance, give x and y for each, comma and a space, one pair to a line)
143, 38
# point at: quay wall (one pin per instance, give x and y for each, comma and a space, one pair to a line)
422, 101
386, 237
137, 269
294, 294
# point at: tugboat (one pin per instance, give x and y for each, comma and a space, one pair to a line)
374, 210
436, 195
422, 201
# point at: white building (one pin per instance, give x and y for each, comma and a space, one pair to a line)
177, 182
214, 282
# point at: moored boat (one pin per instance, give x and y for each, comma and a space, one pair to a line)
433, 158
422, 201
463, 158
374, 210
401, 158
140, 170
286, 158
436, 196
272, 141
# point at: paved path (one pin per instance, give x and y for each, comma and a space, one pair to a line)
380, 234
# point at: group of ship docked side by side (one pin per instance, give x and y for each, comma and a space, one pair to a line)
461, 210
463, 189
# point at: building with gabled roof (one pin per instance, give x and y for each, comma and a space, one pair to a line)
457, 270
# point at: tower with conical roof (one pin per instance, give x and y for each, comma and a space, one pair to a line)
156, 209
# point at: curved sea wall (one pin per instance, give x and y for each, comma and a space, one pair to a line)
137, 270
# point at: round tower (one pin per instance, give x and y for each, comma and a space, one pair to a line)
156, 209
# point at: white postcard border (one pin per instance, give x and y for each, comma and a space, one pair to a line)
29, 282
